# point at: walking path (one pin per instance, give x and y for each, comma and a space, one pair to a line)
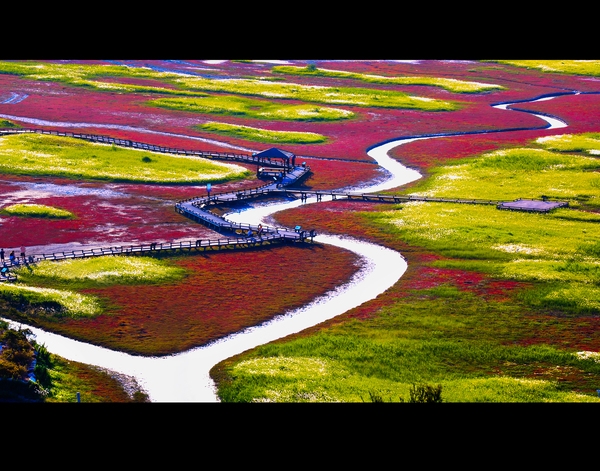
185, 377
197, 209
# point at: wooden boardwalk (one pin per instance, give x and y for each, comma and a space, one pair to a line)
247, 158
304, 194
198, 209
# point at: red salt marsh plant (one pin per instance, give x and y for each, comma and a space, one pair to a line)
104, 214
431, 289
336, 174
222, 293
383, 127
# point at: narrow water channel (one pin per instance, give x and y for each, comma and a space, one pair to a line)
184, 377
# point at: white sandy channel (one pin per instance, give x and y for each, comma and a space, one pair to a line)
185, 377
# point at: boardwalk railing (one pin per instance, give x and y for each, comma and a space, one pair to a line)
194, 207
376, 196
198, 244
250, 158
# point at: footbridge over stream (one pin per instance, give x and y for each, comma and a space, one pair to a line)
283, 171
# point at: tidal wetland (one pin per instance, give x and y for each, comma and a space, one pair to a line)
473, 302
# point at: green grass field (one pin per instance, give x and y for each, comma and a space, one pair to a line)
36, 210
251, 108
452, 85
36, 154
474, 347
56, 285
262, 135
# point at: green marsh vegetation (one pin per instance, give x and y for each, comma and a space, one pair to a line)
36, 210
470, 340
574, 67
103, 271
250, 108
588, 143
91, 76
262, 135
562, 167
55, 379
558, 251
55, 286
6, 123
452, 85
36, 154
364, 97
52, 301
436, 337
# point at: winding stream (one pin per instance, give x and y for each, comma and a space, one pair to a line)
184, 377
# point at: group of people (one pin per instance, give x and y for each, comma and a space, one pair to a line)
12, 257
259, 232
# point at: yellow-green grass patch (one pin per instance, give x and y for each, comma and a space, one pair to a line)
36, 154
577, 67
262, 135
36, 210
288, 378
6, 123
510, 174
586, 142
558, 250
90, 76
452, 85
69, 302
102, 271
363, 97
250, 108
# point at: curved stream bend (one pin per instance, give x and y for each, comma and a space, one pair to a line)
184, 377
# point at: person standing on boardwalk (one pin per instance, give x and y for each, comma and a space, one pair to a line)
1, 255
12, 257
259, 231
23, 252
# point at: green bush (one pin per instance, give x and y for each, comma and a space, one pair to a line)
425, 393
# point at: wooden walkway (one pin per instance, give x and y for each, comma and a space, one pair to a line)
375, 197
198, 209
247, 158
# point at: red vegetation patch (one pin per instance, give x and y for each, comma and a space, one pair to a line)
222, 294
334, 174
427, 153
104, 214
225, 292
577, 334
